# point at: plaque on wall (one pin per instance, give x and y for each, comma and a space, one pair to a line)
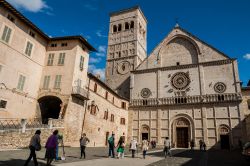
220, 87
145, 92
180, 80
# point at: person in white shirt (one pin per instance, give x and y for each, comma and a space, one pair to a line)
133, 147
167, 147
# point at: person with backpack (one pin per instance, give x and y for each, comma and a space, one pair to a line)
83, 142
111, 142
35, 145
167, 147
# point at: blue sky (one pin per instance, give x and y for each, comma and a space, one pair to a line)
224, 24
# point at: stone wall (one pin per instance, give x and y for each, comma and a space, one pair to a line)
14, 138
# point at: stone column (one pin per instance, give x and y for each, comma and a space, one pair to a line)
23, 124
159, 115
204, 124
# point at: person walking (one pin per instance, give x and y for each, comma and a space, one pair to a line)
83, 142
167, 147
120, 149
51, 147
35, 145
192, 144
133, 147
111, 142
201, 144
144, 147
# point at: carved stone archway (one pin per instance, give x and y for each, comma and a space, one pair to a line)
181, 131
224, 136
145, 132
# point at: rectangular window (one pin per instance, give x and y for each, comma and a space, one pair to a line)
11, 18
123, 121
58, 81
6, 34
53, 45
32, 34
3, 104
61, 59
64, 44
106, 95
50, 59
81, 62
123, 105
28, 49
21, 82
46, 82
112, 118
106, 114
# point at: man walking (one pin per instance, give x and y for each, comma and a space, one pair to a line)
111, 142
167, 147
83, 143
34, 146
133, 147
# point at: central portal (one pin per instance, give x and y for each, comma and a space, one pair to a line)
181, 132
182, 137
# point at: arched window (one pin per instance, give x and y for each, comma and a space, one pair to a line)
119, 27
132, 24
114, 28
126, 25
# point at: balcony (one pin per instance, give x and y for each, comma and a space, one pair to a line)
184, 100
80, 93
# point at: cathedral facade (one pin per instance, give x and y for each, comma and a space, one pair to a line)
185, 89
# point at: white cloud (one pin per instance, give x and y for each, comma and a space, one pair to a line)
101, 51
247, 56
30, 5
97, 71
94, 60
99, 34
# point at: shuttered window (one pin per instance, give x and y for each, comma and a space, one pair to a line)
6, 34
46, 82
21, 82
58, 81
28, 49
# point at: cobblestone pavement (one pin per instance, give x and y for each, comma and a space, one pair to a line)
98, 156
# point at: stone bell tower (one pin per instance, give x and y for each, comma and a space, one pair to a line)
127, 47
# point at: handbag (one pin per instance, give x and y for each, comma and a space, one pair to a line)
38, 147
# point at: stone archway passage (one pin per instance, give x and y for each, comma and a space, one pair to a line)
224, 137
50, 107
145, 132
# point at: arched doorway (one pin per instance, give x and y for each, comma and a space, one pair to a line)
50, 107
181, 132
224, 137
145, 132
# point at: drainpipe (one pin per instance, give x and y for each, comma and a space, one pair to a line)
85, 111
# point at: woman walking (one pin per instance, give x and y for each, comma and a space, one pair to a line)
51, 147
83, 143
34, 146
145, 145
121, 146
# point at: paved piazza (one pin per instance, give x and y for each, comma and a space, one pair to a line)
98, 156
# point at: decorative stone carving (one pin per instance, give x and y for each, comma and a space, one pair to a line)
180, 80
123, 67
145, 92
220, 87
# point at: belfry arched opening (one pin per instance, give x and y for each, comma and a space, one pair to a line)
50, 107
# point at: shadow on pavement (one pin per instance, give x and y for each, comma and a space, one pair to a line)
19, 162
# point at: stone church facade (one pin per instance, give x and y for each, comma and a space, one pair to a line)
185, 89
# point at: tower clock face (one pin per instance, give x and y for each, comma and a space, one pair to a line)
123, 67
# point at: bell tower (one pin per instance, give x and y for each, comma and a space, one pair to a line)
127, 45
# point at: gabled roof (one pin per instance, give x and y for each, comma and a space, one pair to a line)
19, 15
189, 34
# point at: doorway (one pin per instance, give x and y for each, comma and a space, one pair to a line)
224, 142
182, 137
50, 107
144, 135
107, 137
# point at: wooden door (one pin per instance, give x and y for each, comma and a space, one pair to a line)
107, 137
182, 137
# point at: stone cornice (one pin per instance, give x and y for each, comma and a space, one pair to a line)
122, 58
212, 63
